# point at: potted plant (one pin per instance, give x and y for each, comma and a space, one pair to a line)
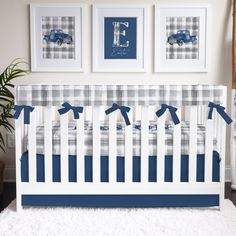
6, 105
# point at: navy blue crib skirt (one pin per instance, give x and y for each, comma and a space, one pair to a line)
179, 200
120, 168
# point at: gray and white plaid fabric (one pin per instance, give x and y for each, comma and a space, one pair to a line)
104, 130
129, 95
187, 50
51, 50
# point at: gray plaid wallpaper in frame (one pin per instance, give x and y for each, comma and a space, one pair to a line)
187, 50
51, 50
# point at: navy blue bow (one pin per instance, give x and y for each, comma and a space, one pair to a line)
221, 110
172, 111
123, 109
76, 109
27, 109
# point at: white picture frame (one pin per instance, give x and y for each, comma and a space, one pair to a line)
107, 58
170, 21
57, 37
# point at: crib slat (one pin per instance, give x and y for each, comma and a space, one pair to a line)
222, 131
48, 143
129, 149
208, 150
144, 143
64, 147
32, 146
177, 149
137, 112
187, 110
193, 144
112, 147
96, 143
40, 115
18, 143
161, 148
201, 114
80, 148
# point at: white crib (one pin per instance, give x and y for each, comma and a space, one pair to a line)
144, 101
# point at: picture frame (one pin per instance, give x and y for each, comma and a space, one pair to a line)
57, 37
182, 38
119, 38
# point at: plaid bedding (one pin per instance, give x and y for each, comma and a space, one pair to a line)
106, 95
104, 128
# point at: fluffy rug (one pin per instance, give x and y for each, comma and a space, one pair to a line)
86, 221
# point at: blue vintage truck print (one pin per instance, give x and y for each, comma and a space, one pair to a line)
181, 37
58, 36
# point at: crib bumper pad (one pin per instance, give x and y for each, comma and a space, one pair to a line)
104, 131
127, 95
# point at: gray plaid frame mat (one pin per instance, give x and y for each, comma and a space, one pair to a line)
106, 95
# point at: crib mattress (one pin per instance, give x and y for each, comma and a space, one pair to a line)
104, 131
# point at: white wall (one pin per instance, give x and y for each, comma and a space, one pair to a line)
15, 42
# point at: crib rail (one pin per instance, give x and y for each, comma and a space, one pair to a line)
195, 114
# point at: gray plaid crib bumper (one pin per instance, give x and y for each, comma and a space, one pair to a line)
104, 130
106, 95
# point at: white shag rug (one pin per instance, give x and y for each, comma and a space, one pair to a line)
132, 222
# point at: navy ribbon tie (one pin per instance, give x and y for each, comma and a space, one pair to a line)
123, 109
67, 107
172, 111
221, 110
26, 109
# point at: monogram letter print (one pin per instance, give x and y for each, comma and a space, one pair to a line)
117, 33
120, 37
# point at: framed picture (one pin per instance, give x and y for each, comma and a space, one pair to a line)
119, 38
181, 38
57, 37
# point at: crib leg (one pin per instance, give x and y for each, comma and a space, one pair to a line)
221, 202
19, 131
19, 204
18, 188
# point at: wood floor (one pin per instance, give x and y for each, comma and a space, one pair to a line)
9, 194
229, 193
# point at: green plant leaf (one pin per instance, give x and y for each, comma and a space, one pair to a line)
5, 99
13, 71
2, 142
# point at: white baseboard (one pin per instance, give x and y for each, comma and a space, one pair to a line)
227, 174
10, 176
